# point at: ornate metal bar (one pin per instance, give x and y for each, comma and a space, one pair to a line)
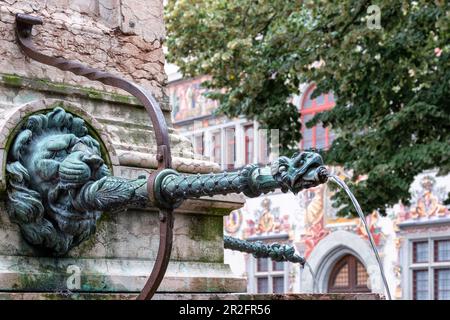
274, 251
251, 180
300, 172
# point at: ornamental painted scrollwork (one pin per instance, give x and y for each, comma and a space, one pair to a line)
268, 221
314, 219
428, 204
233, 222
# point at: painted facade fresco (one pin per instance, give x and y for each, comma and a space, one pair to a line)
321, 219
233, 222
266, 221
425, 222
188, 101
314, 219
309, 221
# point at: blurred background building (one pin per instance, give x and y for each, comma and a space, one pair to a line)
413, 241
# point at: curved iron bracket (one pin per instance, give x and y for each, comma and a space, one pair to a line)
24, 25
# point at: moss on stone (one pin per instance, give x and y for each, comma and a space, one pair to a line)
59, 87
206, 227
124, 99
41, 281
105, 217
12, 79
220, 211
92, 93
53, 277
87, 296
53, 86
94, 283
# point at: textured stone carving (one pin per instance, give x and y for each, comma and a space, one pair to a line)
58, 183
94, 38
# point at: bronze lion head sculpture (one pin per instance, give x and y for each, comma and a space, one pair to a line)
49, 161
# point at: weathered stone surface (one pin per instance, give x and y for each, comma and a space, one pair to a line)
143, 18
121, 254
113, 275
189, 296
134, 233
122, 37
124, 126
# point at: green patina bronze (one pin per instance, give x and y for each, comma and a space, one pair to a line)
274, 251
59, 184
302, 171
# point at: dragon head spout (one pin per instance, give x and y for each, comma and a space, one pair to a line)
304, 170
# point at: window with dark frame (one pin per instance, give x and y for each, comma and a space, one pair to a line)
420, 251
216, 147
269, 276
420, 284
199, 144
430, 269
442, 250
230, 137
442, 284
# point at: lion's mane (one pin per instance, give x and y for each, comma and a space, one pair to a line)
25, 206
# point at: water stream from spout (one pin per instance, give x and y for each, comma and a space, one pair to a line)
344, 186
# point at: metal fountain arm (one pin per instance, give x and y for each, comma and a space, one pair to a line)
302, 171
171, 188
165, 188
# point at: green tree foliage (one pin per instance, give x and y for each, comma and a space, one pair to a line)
392, 115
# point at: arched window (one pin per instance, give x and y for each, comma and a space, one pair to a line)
348, 275
316, 137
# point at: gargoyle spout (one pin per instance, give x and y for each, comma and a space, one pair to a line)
59, 184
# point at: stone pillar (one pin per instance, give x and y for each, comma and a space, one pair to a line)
123, 37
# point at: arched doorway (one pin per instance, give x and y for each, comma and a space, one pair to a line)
348, 275
329, 251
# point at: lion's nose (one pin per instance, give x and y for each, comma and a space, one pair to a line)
93, 161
